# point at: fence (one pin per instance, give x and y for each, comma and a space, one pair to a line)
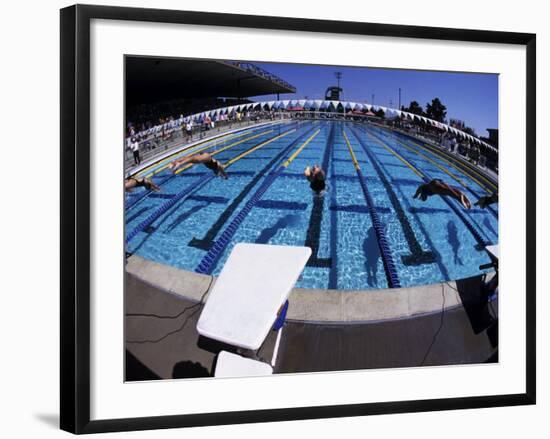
176, 137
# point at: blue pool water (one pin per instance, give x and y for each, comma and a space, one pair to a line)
429, 241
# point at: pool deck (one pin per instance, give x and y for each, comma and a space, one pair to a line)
326, 330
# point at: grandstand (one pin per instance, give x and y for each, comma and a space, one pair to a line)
152, 80
161, 91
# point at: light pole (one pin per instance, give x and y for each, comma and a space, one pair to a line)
399, 98
338, 77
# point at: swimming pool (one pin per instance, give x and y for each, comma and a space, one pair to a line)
195, 221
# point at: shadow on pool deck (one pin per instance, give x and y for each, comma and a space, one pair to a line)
462, 335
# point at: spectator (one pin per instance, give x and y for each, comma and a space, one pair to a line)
453, 144
207, 123
189, 129
134, 146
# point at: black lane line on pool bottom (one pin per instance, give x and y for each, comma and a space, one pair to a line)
429, 241
471, 224
281, 205
418, 256
207, 241
333, 273
313, 234
209, 261
164, 176
409, 155
188, 191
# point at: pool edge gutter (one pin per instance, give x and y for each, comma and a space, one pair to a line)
314, 305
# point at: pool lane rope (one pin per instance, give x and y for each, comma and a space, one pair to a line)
140, 197
209, 260
207, 144
490, 186
464, 170
146, 192
192, 188
450, 174
387, 257
475, 233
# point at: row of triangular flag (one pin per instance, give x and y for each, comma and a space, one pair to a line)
347, 106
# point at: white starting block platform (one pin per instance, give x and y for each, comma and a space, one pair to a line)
493, 251
233, 365
253, 284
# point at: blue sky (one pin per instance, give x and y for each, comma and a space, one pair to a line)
471, 97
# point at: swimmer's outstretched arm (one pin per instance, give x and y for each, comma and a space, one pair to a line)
221, 171
150, 185
193, 158
456, 194
179, 162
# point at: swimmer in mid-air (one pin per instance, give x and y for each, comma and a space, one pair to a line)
487, 200
316, 177
439, 187
133, 182
204, 158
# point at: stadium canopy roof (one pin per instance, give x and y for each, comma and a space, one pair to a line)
152, 79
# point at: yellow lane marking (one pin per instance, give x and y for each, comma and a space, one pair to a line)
416, 171
251, 150
215, 142
225, 148
211, 143
466, 170
353, 158
300, 149
246, 139
455, 177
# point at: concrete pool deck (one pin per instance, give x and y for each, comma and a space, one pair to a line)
313, 305
362, 331
326, 330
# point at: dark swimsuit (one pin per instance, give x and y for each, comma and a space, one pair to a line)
212, 165
318, 185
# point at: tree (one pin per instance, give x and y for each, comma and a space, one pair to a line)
436, 110
469, 131
414, 108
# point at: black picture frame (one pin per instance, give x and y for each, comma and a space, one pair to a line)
75, 217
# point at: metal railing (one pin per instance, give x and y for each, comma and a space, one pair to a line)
177, 137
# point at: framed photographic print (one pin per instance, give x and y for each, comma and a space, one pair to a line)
312, 219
